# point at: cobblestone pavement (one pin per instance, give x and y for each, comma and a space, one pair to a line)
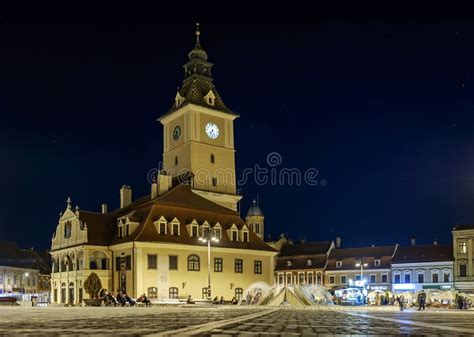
231, 321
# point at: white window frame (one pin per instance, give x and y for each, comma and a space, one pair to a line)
433, 272
377, 262
386, 277
333, 278
338, 264
340, 279
370, 278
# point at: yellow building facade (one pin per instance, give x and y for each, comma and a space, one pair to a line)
153, 245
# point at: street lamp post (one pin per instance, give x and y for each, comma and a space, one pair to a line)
361, 265
207, 235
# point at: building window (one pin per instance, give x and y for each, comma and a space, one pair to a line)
127, 230
173, 293
435, 278
128, 263
67, 230
238, 265
152, 292
288, 279
407, 278
217, 233
343, 279
162, 228
462, 249
358, 277
421, 278
120, 233
256, 227
239, 292
245, 237
213, 159
372, 278
214, 181
288, 263
257, 267
280, 279
173, 262
234, 235
194, 231
338, 264
309, 262
462, 270
193, 263
175, 229
377, 262
384, 278
218, 264
331, 279
397, 279
301, 278
446, 277
176, 161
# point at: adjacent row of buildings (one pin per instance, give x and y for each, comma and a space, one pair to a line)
23, 270
395, 268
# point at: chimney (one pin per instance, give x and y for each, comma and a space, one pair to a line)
338, 242
435, 241
154, 190
161, 185
125, 196
413, 241
104, 208
164, 183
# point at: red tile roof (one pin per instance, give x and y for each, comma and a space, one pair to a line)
428, 253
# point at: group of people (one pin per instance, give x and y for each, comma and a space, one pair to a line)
462, 302
253, 298
121, 299
216, 300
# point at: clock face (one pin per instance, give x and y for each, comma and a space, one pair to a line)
176, 132
212, 130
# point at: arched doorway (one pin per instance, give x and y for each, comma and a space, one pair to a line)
71, 293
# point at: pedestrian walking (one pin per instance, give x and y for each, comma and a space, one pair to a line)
400, 300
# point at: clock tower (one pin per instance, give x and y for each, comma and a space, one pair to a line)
198, 135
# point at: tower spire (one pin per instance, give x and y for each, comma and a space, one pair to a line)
198, 32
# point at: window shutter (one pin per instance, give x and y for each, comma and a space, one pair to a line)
117, 263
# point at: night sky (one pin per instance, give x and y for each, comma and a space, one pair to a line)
382, 107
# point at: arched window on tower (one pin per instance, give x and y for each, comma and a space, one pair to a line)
213, 159
176, 160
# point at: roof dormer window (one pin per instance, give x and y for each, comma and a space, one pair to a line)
160, 226
174, 227
178, 99
377, 262
309, 262
210, 98
288, 263
338, 264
